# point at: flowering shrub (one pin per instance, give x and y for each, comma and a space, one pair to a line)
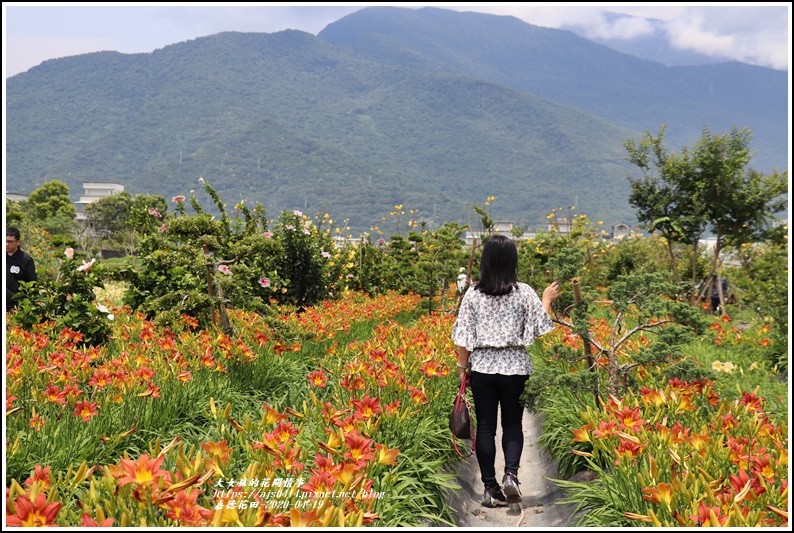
67, 301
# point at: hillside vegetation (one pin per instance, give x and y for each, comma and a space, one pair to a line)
295, 121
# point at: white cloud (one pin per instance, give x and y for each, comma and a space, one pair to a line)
753, 35
622, 28
690, 33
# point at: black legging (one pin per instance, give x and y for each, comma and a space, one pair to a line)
490, 391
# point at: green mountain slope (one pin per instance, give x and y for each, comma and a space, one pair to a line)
294, 122
560, 66
432, 109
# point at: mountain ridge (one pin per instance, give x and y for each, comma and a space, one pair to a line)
297, 122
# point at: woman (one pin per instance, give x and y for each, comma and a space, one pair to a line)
498, 318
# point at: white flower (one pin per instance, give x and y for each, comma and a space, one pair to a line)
267, 235
69, 253
325, 254
264, 282
86, 266
102, 308
225, 270
297, 213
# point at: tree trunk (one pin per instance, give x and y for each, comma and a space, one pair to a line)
673, 264
693, 292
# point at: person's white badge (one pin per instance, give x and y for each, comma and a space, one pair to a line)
14, 269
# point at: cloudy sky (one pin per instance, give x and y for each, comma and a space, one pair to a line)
34, 32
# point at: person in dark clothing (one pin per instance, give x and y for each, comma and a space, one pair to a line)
19, 267
715, 293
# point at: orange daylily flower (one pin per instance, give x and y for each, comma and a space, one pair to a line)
318, 378
417, 395
630, 418
366, 408
582, 434
36, 513
284, 432
709, 516
653, 397
272, 415
359, 448
752, 402
218, 449
143, 471
183, 508
661, 493
37, 421
41, 475
605, 429
393, 407
347, 425
55, 395
627, 449
298, 518
85, 410
433, 369
385, 455
321, 482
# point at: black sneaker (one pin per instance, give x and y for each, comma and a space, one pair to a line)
494, 497
511, 492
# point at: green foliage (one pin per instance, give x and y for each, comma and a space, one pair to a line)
109, 214
68, 301
426, 263
300, 262
707, 187
762, 286
51, 200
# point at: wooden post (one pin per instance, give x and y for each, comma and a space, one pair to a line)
588, 346
210, 291
471, 259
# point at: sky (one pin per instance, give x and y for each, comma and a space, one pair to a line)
33, 32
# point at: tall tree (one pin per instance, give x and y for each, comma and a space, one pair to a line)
709, 187
110, 213
664, 197
740, 204
51, 200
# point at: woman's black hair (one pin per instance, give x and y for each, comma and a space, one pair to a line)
498, 266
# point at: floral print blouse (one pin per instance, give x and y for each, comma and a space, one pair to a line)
497, 329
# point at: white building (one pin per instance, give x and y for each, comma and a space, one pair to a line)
15, 196
501, 228
94, 190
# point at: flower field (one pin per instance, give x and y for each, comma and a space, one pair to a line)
674, 453
341, 422
338, 418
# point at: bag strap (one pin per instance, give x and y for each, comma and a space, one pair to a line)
461, 398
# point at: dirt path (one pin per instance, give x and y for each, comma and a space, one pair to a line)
538, 509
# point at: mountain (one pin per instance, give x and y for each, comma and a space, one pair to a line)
318, 124
565, 68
